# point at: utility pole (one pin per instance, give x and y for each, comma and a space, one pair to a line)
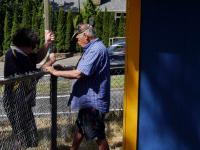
46, 15
46, 26
53, 85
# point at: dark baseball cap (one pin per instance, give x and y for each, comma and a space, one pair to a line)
80, 29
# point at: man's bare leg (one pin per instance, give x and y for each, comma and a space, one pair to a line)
77, 139
103, 144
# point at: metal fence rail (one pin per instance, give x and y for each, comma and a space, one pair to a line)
54, 120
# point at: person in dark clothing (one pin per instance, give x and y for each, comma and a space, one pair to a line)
19, 97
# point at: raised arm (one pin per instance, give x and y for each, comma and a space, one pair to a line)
49, 38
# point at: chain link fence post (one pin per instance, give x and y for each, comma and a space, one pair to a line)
53, 101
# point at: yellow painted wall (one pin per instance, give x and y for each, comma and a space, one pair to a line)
132, 75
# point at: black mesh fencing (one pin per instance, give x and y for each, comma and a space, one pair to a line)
30, 118
25, 119
114, 119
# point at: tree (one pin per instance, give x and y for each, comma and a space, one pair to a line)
41, 32
41, 23
69, 32
15, 22
105, 36
2, 13
98, 24
13, 10
112, 25
60, 31
121, 27
35, 19
88, 11
26, 15
55, 20
77, 19
53, 16
7, 32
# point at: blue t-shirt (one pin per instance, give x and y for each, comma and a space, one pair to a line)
93, 89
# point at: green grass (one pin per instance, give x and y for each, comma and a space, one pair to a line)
64, 85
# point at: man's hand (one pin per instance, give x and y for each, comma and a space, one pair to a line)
52, 58
63, 68
43, 52
50, 61
49, 37
49, 69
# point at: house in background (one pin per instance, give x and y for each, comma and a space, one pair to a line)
117, 6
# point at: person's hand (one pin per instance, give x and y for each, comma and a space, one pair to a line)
52, 58
49, 37
49, 69
58, 67
50, 61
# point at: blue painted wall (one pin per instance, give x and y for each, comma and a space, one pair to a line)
169, 90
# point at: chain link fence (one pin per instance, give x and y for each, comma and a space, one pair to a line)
24, 112
18, 117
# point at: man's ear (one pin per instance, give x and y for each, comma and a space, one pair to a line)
87, 37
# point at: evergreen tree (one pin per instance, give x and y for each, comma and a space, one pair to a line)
88, 11
15, 22
35, 19
98, 24
60, 31
2, 13
105, 36
55, 20
77, 19
41, 23
6, 12
69, 32
26, 15
112, 27
1, 39
53, 16
41, 32
121, 27
7, 32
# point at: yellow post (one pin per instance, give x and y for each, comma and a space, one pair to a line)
131, 75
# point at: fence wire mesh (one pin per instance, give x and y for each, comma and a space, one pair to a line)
32, 125
114, 119
24, 113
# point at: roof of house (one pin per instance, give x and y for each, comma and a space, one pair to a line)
111, 5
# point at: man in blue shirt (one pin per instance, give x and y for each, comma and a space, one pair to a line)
91, 89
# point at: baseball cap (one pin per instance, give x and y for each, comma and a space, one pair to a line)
80, 29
